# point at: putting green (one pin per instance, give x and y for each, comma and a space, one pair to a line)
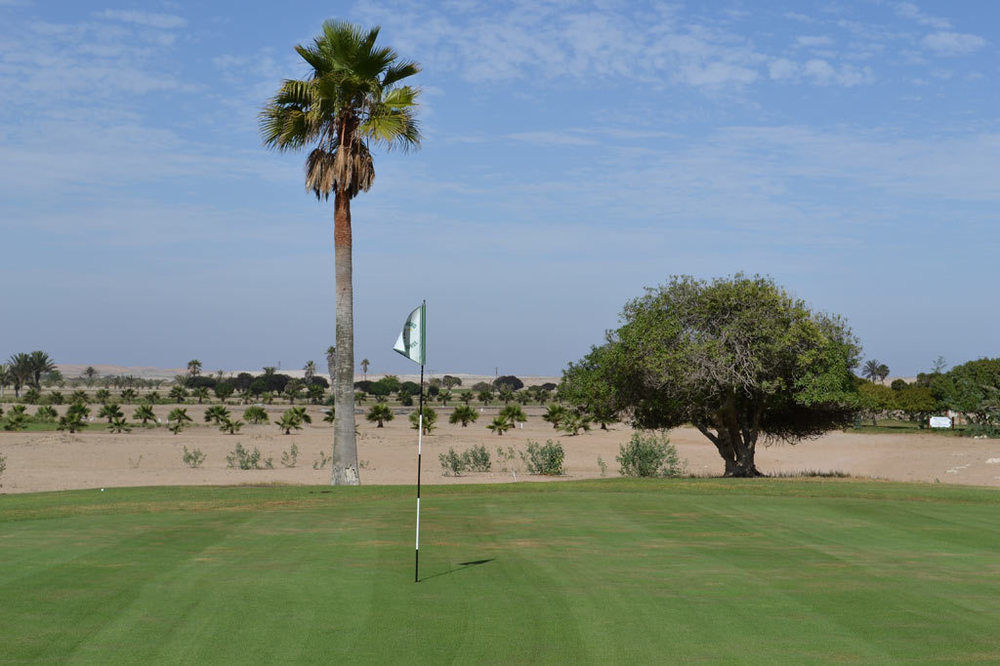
616, 570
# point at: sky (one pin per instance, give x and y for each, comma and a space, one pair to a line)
573, 154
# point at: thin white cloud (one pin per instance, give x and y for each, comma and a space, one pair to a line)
146, 19
812, 41
908, 10
953, 43
552, 138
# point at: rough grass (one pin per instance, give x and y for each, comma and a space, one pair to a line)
639, 571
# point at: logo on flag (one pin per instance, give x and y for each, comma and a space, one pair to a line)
412, 339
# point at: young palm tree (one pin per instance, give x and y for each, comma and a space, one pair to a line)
379, 414
110, 411
255, 415
216, 414
144, 413
201, 393
464, 414
352, 100
500, 425
128, 395
177, 418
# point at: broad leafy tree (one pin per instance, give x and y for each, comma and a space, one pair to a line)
353, 99
739, 358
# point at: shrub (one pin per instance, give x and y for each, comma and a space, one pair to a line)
194, 458
290, 457
545, 459
177, 418
476, 459
55, 398
32, 396
987, 430
240, 458
452, 463
649, 455
323, 461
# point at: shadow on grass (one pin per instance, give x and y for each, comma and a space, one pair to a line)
462, 566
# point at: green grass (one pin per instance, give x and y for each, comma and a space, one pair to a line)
623, 571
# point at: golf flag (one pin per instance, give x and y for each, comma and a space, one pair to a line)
412, 340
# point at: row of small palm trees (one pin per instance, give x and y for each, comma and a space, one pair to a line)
570, 421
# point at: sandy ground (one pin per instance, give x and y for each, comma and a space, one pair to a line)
60, 461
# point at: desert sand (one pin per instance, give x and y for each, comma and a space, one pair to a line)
43, 461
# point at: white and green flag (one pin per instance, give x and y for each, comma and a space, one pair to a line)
413, 339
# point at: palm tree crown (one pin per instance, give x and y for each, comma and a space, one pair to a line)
351, 100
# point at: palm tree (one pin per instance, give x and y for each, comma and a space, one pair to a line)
20, 371
110, 411
352, 99
144, 413
201, 393
464, 414
870, 371
128, 395
365, 363
255, 415
178, 393
40, 363
102, 395
194, 367
310, 371
500, 425
514, 414
883, 372
379, 414
90, 374
6, 377
216, 414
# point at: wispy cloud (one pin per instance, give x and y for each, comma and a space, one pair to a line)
908, 10
953, 43
147, 19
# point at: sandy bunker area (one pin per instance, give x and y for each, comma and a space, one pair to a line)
43, 461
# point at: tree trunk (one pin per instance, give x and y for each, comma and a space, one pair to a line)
345, 448
736, 451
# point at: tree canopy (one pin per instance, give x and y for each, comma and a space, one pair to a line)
739, 358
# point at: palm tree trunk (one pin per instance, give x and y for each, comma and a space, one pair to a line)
345, 448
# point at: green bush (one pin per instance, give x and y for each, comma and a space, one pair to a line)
649, 455
194, 458
452, 463
255, 415
290, 458
477, 459
545, 459
240, 458
988, 430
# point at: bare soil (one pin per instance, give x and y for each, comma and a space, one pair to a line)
41, 461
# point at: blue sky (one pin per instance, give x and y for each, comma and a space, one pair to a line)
574, 153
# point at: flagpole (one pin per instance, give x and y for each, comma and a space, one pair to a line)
420, 442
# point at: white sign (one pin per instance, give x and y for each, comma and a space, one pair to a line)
940, 422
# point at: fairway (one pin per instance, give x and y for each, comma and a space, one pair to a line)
597, 571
